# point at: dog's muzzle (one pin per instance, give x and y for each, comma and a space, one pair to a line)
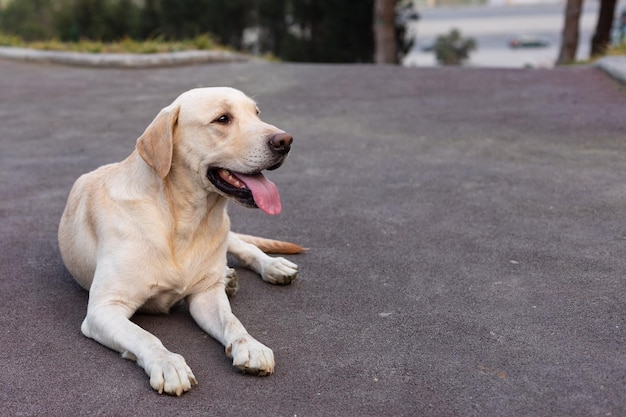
253, 189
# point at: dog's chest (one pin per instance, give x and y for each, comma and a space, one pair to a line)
191, 266
190, 257
175, 284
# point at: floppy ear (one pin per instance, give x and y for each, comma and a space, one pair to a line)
156, 144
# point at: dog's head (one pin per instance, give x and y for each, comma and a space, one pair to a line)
216, 134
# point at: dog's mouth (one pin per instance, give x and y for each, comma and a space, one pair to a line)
250, 190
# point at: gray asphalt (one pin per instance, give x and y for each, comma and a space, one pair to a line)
466, 229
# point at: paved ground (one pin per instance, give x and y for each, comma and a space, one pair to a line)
467, 234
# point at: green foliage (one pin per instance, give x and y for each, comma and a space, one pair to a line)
317, 30
225, 19
405, 13
617, 49
452, 49
11, 40
100, 20
295, 30
30, 19
126, 45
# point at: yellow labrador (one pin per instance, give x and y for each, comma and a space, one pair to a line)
152, 230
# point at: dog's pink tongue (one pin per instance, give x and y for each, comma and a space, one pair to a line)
264, 191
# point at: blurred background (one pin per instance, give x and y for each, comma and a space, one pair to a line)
511, 33
500, 33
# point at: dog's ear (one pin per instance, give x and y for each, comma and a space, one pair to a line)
156, 144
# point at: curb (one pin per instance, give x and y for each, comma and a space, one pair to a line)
109, 60
615, 66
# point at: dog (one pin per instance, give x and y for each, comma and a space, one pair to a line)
152, 231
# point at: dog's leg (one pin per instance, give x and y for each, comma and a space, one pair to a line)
273, 270
211, 310
109, 324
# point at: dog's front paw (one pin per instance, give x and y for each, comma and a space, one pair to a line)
251, 356
169, 373
279, 271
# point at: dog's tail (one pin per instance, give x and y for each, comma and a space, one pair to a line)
271, 245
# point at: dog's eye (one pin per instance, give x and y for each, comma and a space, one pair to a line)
223, 119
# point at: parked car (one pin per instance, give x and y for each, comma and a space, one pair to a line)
528, 41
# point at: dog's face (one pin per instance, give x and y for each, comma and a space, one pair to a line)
218, 135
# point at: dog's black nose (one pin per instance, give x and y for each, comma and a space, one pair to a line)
281, 142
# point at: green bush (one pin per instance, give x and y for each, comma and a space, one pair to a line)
452, 49
296, 30
99, 20
29, 19
317, 30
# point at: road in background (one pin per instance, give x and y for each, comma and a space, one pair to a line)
494, 26
466, 231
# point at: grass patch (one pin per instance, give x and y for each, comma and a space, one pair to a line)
613, 50
617, 50
126, 45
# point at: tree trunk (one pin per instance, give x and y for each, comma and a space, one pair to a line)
602, 37
384, 32
569, 38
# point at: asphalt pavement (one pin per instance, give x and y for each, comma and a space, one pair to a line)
467, 231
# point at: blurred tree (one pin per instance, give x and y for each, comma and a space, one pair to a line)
391, 19
272, 24
181, 19
569, 37
149, 24
601, 39
101, 20
327, 31
452, 49
123, 20
385, 32
405, 14
293, 30
30, 19
91, 18
225, 19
